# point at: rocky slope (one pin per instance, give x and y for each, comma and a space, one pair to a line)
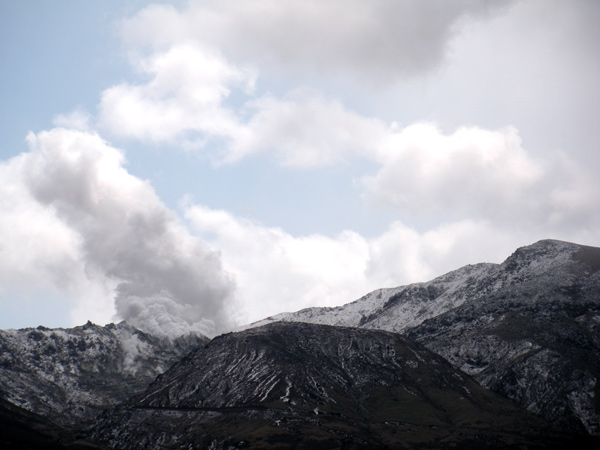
535, 339
69, 375
528, 328
295, 385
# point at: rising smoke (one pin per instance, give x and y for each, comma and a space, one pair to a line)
164, 280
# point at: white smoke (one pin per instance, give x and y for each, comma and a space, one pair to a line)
132, 347
164, 280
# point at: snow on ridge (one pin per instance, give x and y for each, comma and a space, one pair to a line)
416, 303
374, 310
348, 315
397, 309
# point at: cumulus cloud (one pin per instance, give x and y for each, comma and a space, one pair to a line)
89, 228
381, 39
78, 119
185, 102
276, 271
37, 249
306, 130
75, 220
465, 185
402, 254
485, 175
534, 67
183, 99
87, 222
195, 60
471, 173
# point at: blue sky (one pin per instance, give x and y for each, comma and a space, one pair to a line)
198, 165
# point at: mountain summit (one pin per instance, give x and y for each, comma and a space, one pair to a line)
528, 328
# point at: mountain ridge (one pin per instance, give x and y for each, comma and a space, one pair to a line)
377, 302
556, 280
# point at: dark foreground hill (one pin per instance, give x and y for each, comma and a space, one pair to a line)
23, 430
298, 385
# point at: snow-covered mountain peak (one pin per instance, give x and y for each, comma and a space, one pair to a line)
541, 256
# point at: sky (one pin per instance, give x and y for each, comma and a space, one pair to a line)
199, 165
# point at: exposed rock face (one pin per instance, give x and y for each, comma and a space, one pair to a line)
528, 328
297, 385
536, 338
69, 375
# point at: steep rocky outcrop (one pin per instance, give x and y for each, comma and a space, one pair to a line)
69, 375
535, 338
298, 385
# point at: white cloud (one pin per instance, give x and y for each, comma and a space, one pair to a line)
276, 271
183, 98
74, 220
185, 102
78, 119
306, 130
401, 255
472, 173
40, 255
88, 228
37, 249
534, 67
92, 230
485, 175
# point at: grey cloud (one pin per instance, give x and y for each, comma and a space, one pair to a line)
385, 39
535, 68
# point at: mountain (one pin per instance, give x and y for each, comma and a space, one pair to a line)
69, 375
300, 385
535, 340
479, 347
529, 328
